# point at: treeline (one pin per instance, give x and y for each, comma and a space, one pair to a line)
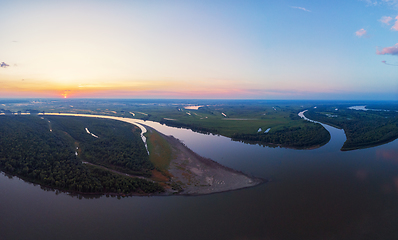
362, 128
116, 183
384, 106
193, 127
31, 151
119, 145
309, 135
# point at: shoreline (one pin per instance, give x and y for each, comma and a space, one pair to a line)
111, 194
198, 175
193, 173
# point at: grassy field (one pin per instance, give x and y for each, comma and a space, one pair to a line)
160, 155
160, 151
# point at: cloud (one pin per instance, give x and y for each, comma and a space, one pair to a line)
385, 62
391, 3
371, 3
395, 27
388, 50
386, 20
4, 65
301, 8
361, 33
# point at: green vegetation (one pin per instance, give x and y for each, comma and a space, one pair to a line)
160, 150
247, 122
295, 137
362, 128
237, 119
43, 152
116, 183
240, 120
118, 146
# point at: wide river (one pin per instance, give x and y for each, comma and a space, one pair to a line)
313, 194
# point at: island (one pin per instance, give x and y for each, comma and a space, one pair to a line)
91, 155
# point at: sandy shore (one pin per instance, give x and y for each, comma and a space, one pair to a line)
198, 175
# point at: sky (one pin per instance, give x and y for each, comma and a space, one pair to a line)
207, 49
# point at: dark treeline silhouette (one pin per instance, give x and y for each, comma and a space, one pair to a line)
193, 127
295, 137
362, 128
118, 146
31, 151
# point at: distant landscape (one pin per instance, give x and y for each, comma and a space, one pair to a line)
91, 155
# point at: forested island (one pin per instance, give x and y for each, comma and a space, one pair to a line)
51, 151
310, 135
93, 154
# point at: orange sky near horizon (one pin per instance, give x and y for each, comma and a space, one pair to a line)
212, 88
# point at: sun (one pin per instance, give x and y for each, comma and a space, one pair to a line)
65, 94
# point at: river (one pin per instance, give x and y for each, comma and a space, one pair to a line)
313, 194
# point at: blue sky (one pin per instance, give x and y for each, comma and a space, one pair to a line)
200, 49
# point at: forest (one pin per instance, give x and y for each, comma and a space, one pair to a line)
117, 146
307, 136
43, 150
362, 128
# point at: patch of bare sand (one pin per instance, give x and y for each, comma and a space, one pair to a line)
198, 175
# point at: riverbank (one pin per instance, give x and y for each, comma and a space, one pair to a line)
197, 175
189, 172
363, 129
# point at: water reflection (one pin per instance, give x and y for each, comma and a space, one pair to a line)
315, 194
387, 155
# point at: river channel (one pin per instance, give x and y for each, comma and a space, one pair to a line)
322, 193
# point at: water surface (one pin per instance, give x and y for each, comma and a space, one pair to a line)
313, 194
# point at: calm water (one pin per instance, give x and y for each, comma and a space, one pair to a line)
314, 194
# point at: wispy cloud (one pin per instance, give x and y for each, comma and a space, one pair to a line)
301, 8
4, 65
386, 20
388, 50
392, 3
385, 62
361, 33
395, 27
371, 3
